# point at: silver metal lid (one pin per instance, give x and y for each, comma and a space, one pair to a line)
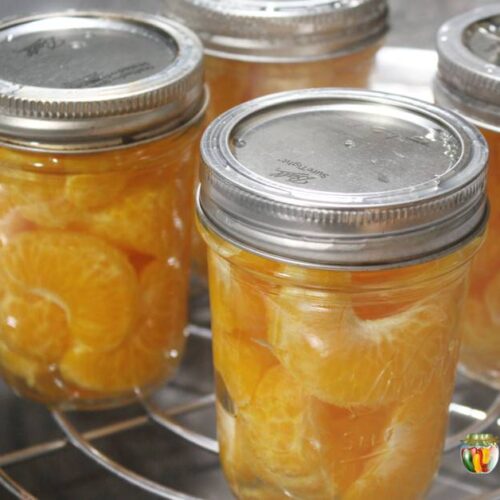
83, 80
343, 178
469, 65
284, 30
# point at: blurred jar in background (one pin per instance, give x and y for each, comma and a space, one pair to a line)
469, 83
260, 47
340, 227
99, 129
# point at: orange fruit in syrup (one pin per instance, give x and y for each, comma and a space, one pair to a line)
139, 219
346, 361
282, 438
91, 283
143, 357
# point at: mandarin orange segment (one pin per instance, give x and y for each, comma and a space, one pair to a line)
87, 191
41, 201
127, 367
33, 326
220, 288
348, 438
92, 283
139, 219
236, 458
282, 439
249, 306
348, 362
163, 306
241, 363
247, 295
238, 462
404, 464
150, 352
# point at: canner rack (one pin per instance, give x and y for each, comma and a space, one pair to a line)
190, 401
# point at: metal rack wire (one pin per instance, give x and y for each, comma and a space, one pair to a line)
167, 419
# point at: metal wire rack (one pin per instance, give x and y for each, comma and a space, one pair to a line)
85, 442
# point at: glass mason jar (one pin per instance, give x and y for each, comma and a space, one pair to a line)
469, 83
99, 131
340, 227
257, 48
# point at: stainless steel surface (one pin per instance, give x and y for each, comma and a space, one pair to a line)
343, 178
469, 72
92, 80
290, 30
39, 456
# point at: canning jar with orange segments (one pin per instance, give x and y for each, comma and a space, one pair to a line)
468, 82
341, 225
260, 47
98, 147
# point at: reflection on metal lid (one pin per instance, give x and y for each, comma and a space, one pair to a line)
343, 178
70, 79
469, 70
265, 30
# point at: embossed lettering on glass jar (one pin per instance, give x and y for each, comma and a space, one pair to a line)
340, 227
469, 83
99, 130
258, 47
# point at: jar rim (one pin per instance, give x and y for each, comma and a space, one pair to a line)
67, 98
278, 32
327, 222
467, 80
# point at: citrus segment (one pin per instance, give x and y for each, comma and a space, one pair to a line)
282, 439
234, 449
237, 460
41, 201
91, 282
240, 363
247, 314
33, 326
138, 220
87, 191
151, 349
163, 306
127, 367
404, 465
348, 438
220, 286
346, 361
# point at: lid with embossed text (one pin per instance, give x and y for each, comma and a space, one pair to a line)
343, 179
90, 80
